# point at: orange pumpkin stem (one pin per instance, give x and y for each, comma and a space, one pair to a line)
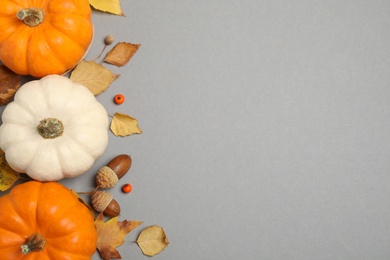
31, 16
34, 243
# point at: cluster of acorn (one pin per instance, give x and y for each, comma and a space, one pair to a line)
106, 178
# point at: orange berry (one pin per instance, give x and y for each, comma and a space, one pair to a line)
119, 99
127, 188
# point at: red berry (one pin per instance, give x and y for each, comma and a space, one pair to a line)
127, 188
119, 99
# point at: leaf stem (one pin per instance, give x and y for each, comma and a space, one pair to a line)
104, 48
87, 192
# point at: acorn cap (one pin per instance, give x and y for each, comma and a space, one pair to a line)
100, 200
106, 178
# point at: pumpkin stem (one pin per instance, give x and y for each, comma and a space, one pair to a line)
31, 16
50, 128
34, 243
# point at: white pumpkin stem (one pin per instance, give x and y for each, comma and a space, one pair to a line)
31, 16
34, 243
50, 128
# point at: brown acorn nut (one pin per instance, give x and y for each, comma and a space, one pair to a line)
109, 175
102, 201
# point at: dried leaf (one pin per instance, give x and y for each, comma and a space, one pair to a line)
112, 234
94, 76
7, 175
121, 54
152, 240
109, 6
9, 84
122, 125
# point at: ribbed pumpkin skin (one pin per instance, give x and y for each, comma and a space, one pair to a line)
54, 46
51, 210
84, 137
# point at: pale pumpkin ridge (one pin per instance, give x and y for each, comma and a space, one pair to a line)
62, 158
14, 143
56, 106
31, 112
11, 120
35, 157
82, 146
18, 146
35, 116
83, 104
33, 85
59, 158
46, 99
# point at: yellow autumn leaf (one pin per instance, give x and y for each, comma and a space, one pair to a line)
112, 234
7, 175
121, 54
94, 76
109, 6
122, 125
152, 240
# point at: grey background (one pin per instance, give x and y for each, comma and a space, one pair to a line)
265, 127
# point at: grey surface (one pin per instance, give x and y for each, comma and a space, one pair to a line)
265, 127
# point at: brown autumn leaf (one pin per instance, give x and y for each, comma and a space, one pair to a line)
7, 175
121, 54
9, 84
123, 125
94, 76
152, 240
112, 234
109, 6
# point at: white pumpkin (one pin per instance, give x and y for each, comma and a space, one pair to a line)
55, 128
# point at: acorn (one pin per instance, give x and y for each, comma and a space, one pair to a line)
102, 201
108, 40
109, 175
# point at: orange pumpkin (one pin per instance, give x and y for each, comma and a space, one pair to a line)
45, 221
42, 37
